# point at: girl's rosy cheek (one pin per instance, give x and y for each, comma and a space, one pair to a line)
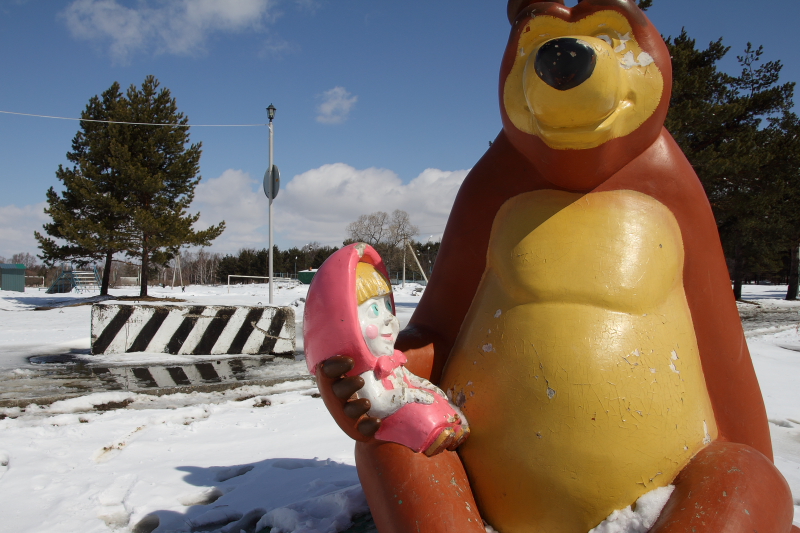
371, 331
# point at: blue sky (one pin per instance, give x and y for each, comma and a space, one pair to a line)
381, 105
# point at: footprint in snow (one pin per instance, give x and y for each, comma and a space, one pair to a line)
112, 509
204, 497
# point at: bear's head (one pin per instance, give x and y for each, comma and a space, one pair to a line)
583, 90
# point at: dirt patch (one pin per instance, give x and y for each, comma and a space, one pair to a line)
262, 402
110, 406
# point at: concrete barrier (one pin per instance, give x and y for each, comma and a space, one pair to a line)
192, 330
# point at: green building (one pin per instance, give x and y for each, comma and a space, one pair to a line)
305, 276
12, 277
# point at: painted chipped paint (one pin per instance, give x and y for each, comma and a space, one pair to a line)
597, 351
599, 109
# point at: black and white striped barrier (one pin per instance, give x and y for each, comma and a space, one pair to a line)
192, 330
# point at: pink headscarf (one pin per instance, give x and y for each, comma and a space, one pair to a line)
330, 321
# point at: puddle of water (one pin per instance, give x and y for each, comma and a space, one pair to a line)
72, 375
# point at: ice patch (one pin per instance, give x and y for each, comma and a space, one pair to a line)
626, 520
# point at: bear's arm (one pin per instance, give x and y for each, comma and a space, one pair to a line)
501, 173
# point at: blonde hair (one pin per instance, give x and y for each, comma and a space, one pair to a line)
370, 283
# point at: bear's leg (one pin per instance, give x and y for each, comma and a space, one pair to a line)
409, 492
728, 488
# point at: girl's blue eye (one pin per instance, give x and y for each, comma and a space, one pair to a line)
373, 310
389, 305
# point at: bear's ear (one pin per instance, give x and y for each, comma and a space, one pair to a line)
515, 7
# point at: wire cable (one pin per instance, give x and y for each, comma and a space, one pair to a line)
136, 123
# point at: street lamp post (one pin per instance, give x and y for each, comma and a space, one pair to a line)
295, 267
271, 115
428, 257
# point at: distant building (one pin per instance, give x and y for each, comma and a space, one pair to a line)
12, 277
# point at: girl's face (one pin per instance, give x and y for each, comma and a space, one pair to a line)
379, 325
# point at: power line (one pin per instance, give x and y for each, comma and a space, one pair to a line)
135, 123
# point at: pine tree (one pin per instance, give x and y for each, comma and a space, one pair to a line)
717, 120
130, 186
784, 171
87, 215
159, 172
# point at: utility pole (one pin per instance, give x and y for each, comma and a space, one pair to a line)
270, 189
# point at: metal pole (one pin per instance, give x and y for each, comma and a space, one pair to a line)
414, 255
180, 270
404, 264
270, 213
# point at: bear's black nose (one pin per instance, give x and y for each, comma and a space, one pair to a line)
565, 63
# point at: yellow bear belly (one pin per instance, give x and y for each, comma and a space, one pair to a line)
577, 364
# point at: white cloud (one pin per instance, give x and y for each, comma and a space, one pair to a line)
237, 199
176, 27
17, 225
336, 106
318, 204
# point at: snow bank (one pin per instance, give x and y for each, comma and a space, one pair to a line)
214, 462
648, 508
227, 461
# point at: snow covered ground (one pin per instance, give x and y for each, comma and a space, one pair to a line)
250, 458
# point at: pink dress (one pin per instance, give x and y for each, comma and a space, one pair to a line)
331, 327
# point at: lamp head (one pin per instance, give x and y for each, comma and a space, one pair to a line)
271, 112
